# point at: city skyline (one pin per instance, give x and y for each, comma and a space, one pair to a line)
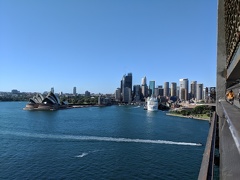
177, 83
91, 44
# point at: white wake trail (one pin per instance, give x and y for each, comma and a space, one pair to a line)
97, 138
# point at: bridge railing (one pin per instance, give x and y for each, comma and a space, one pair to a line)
207, 166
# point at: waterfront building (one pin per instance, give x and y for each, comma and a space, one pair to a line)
118, 94
151, 88
193, 90
127, 81
136, 93
183, 91
36, 99
50, 102
199, 92
127, 95
173, 89
74, 91
166, 89
104, 101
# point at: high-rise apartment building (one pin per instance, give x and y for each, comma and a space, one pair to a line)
173, 89
183, 91
166, 89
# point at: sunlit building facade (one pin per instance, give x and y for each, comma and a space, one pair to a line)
183, 91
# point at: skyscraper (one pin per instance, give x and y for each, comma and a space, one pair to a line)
52, 90
183, 91
127, 95
166, 89
127, 81
151, 88
118, 94
74, 91
173, 89
136, 92
144, 81
126, 87
193, 91
144, 87
199, 92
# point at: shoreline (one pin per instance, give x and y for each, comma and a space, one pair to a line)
188, 117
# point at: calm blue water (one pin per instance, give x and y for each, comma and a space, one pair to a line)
116, 142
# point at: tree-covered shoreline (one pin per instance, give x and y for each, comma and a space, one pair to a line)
199, 112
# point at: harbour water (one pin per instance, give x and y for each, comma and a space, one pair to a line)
114, 142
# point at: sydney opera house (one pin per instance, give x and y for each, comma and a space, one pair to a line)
50, 102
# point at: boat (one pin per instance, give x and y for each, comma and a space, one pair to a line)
145, 107
152, 104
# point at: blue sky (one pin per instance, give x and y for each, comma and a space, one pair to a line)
91, 44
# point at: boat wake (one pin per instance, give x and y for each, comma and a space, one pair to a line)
136, 107
81, 155
97, 138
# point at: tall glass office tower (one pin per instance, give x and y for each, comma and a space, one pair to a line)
127, 81
126, 87
151, 88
